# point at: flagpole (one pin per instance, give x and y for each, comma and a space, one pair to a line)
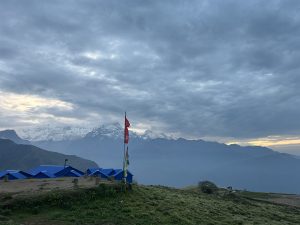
124, 157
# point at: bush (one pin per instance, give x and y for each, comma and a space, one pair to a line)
207, 187
106, 190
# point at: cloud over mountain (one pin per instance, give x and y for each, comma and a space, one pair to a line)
192, 68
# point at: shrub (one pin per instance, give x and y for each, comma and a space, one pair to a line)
106, 190
207, 187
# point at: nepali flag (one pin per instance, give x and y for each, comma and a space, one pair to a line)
126, 131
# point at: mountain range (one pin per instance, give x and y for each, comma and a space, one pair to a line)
63, 133
181, 162
53, 132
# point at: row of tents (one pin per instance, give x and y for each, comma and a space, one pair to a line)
54, 171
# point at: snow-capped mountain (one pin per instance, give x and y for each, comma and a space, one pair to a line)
54, 133
114, 130
148, 134
62, 133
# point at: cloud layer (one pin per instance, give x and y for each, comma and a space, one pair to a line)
190, 68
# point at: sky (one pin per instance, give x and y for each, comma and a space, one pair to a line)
214, 69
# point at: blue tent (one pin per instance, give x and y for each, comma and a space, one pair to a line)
46, 168
119, 175
108, 172
72, 173
69, 171
92, 170
99, 173
105, 172
28, 175
13, 174
43, 174
56, 171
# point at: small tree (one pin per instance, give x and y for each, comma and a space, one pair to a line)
207, 187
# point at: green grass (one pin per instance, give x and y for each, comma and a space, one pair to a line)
143, 205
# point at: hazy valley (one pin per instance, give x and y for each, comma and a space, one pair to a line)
181, 162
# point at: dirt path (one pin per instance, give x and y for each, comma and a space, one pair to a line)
292, 200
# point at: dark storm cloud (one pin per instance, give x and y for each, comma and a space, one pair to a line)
198, 68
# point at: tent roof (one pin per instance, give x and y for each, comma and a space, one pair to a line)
18, 175
50, 175
76, 173
118, 171
53, 169
5, 172
107, 172
94, 169
98, 171
15, 173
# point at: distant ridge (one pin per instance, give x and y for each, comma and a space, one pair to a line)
23, 157
12, 135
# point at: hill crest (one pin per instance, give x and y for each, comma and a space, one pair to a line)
23, 157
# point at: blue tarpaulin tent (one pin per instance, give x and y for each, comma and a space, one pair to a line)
43, 174
14, 174
108, 172
92, 170
118, 174
56, 171
99, 173
46, 168
73, 173
105, 172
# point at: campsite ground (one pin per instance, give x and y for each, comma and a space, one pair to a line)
31, 186
106, 204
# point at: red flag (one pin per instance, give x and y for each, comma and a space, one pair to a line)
126, 132
126, 135
127, 124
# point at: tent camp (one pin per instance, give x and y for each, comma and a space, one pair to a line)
52, 171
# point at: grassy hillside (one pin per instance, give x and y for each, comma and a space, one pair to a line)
23, 157
142, 205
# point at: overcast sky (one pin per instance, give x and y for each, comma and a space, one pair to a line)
205, 68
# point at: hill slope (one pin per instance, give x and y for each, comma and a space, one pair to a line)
144, 205
23, 157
